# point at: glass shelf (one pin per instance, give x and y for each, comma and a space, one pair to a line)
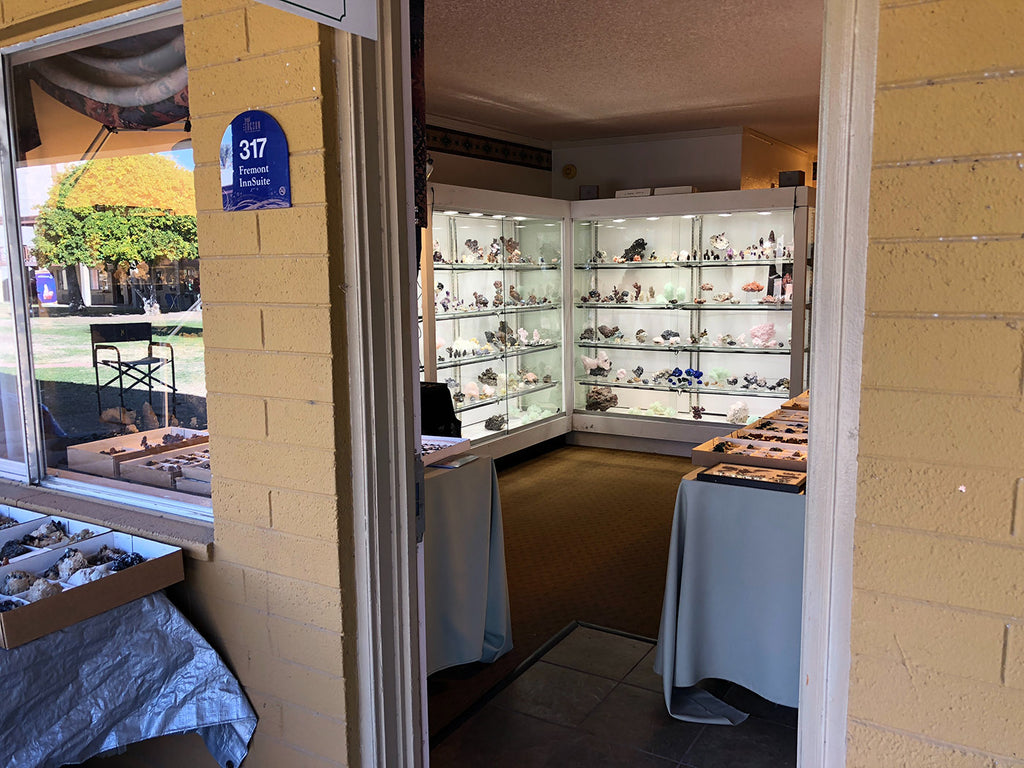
513, 352
492, 267
684, 264
683, 348
627, 305
531, 307
508, 396
720, 307
597, 381
468, 314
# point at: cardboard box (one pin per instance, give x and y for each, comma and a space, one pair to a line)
801, 402
163, 566
194, 486
71, 527
12, 516
642, 192
442, 448
90, 457
705, 455
164, 468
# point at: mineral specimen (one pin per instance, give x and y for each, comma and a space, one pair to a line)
609, 332
12, 549
641, 336
635, 250
41, 588
601, 399
738, 413
488, 376
16, 581
495, 423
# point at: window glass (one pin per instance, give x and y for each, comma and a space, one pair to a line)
108, 222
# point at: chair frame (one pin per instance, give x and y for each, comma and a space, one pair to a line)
141, 372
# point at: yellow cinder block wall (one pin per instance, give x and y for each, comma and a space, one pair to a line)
271, 598
937, 675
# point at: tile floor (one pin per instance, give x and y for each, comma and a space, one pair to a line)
593, 700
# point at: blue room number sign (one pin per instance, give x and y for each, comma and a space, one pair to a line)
254, 164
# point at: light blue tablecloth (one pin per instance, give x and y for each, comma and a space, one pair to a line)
732, 602
132, 673
467, 610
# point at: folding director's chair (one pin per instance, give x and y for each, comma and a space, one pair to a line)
129, 374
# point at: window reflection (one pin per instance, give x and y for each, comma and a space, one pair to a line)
108, 224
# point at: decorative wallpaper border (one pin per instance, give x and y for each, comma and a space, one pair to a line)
486, 148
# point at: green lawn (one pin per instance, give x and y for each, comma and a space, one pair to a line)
62, 347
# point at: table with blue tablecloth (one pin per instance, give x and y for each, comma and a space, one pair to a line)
733, 594
467, 614
132, 673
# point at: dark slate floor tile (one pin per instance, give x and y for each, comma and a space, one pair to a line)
587, 751
599, 653
500, 738
555, 694
637, 718
753, 743
643, 675
756, 706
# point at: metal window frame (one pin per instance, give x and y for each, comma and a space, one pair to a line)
34, 470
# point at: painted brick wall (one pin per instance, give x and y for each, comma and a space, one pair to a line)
937, 677
271, 599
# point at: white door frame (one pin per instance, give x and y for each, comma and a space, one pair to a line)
385, 698
837, 325
388, 723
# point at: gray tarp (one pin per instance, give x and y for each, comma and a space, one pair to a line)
132, 673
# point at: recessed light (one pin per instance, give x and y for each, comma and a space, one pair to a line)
764, 213
448, 213
476, 215
497, 215
723, 215
519, 218
618, 221
653, 218
689, 216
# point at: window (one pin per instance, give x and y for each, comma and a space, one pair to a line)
102, 379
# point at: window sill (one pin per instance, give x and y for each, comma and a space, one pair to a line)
195, 538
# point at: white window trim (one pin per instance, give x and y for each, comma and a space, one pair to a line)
34, 470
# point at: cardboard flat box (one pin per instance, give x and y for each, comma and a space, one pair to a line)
12, 516
642, 192
90, 457
160, 469
163, 566
705, 455
436, 448
191, 485
801, 402
71, 527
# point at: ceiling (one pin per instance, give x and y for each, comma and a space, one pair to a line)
562, 70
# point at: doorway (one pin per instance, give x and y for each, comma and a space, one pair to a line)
848, 66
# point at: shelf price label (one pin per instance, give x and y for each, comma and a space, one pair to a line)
254, 172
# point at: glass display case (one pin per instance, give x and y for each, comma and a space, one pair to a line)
690, 308
495, 322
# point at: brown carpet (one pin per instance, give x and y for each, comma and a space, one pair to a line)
586, 539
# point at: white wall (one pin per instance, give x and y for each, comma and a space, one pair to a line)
763, 157
708, 160
487, 174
